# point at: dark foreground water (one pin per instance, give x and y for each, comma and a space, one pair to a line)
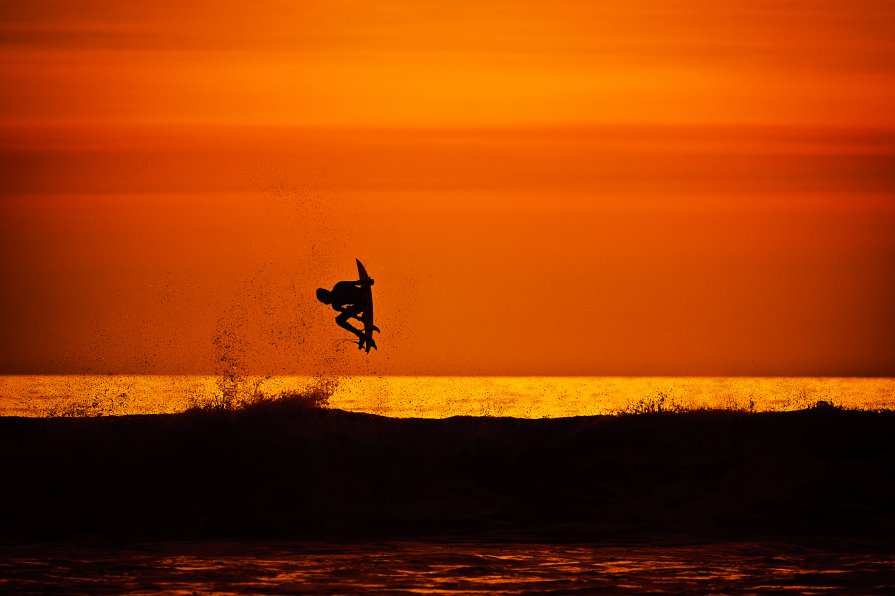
437, 568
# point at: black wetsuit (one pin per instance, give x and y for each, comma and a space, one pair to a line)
347, 293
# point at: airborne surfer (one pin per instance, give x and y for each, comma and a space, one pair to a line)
353, 300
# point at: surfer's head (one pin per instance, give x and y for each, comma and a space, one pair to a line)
324, 296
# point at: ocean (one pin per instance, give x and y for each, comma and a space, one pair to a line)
522, 499
440, 397
423, 567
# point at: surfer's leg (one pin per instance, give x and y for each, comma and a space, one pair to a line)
342, 321
353, 312
360, 317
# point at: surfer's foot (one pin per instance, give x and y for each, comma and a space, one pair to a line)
375, 328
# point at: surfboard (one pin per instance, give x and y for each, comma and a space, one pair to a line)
367, 318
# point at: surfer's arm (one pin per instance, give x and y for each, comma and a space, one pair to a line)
363, 282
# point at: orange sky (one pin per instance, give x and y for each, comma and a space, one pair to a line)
539, 188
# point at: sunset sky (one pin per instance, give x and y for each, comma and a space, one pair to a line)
626, 188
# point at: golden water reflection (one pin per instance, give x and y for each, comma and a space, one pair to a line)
441, 397
449, 568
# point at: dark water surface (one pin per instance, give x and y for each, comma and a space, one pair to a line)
437, 568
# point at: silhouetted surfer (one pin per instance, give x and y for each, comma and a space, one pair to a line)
353, 300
